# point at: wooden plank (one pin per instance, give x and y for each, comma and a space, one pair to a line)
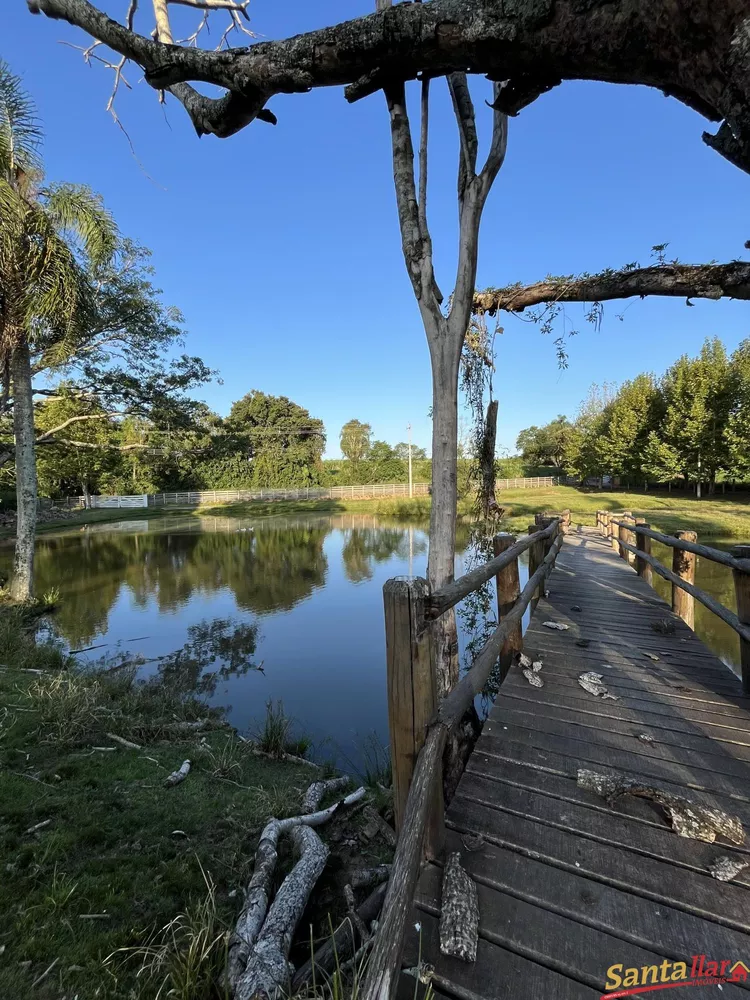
658, 842
497, 974
561, 764
621, 914
579, 951
675, 732
697, 894
644, 763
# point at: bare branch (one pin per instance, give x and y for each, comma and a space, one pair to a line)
210, 5
463, 108
72, 420
423, 141
161, 16
498, 144
706, 281
94, 446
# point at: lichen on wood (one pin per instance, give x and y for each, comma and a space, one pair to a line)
459, 916
688, 819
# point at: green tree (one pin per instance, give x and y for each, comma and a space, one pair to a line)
281, 443
50, 238
660, 461
737, 430
626, 424
354, 440
698, 398
401, 450
545, 445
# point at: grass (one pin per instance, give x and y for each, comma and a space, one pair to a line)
726, 515
119, 861
275, 736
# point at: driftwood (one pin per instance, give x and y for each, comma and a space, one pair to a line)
123, 742
342, 943
364, 878
459, 916
179, 775
258, 950
385, 829
688, 818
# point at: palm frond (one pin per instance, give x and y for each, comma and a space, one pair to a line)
82, 220
20, 129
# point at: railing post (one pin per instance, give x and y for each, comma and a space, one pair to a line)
508, 592
683, 564
605, 523
626, 535
643, 544
412, 695
614, 532
536, 558
599, 519
742, 590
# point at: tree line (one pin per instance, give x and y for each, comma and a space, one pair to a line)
692, 424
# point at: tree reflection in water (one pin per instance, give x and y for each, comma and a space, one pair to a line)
225, 641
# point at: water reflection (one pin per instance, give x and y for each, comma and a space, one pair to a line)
224, 640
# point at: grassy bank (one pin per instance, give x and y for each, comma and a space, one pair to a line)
722, 515
97, 854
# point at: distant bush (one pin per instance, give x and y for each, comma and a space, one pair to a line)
408, 509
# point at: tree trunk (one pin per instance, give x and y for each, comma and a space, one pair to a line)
487, 462
698, 489
22, 584
440, 566
86, 496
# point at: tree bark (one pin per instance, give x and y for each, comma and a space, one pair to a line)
697, 52
487, 462
22, 584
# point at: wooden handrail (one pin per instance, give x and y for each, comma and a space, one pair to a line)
706, 600
384, 966
448, 596
705, 551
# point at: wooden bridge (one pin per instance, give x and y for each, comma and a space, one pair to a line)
567, 815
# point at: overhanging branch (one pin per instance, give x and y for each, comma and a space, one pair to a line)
699, 281
695, 52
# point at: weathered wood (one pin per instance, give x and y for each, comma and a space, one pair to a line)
614, 534
643, 544
447, 597
742, 593
626, 535
508, 592
705, 551
743, 630
536, 557
683, 566
412, 691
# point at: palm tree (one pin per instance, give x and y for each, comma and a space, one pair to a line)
52, 238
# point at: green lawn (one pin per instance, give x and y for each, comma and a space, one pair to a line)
721, 515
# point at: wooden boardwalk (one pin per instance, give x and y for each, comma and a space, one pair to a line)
567, 885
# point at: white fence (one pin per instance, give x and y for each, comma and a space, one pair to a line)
532, 483
197, 498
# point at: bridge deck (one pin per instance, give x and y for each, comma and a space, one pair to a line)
567, 885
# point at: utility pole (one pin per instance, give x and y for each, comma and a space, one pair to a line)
411, 484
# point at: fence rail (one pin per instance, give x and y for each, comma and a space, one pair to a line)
632, 538
528, 483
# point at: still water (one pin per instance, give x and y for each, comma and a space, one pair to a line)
250, 610
242, 610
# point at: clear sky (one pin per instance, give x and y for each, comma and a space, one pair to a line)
281, 245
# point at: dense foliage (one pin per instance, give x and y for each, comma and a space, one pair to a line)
691, 424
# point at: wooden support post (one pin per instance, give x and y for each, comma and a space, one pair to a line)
683, 564
626, 535
643, 543
614, 531
412, 695
536, 558
508, 591
605, 523
742, 591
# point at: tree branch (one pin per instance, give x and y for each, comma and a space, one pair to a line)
463, 108
72, 420
707, 281
696, 52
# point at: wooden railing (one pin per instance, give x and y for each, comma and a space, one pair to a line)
421, 722
631, 537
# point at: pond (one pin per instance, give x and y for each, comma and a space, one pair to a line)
252, 610
242, 610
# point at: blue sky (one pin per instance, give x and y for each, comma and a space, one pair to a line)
281, 245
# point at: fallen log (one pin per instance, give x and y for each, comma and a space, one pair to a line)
257, 959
